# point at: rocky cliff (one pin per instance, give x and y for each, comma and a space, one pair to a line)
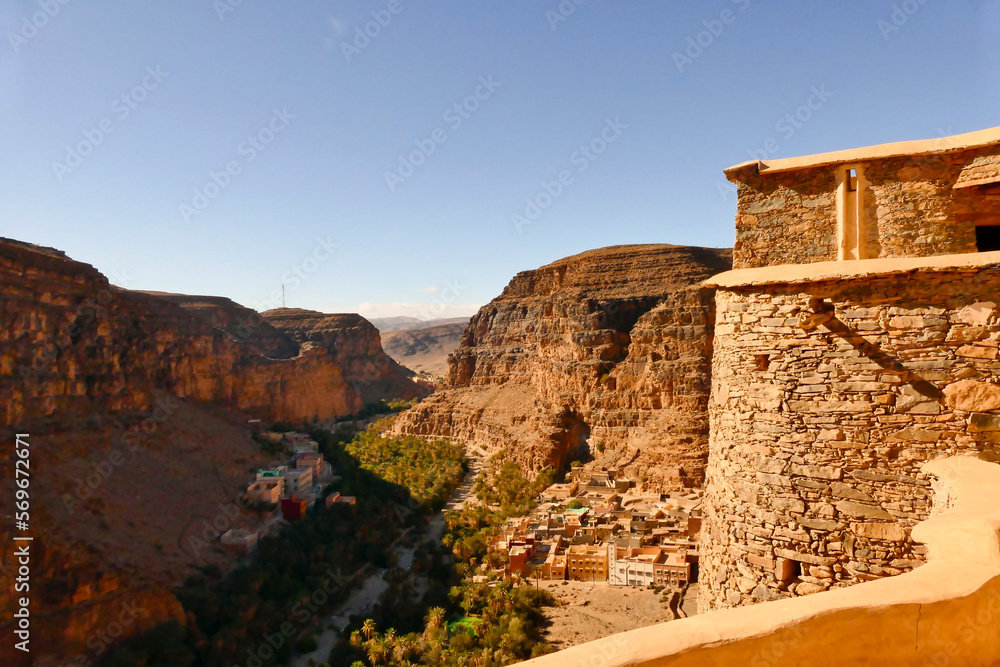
604, 354
355, 344
136, 401
75, 344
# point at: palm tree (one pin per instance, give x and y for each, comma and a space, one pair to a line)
377, 651
508, 600
435, 618
368, 628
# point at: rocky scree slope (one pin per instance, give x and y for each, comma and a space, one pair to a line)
426, 348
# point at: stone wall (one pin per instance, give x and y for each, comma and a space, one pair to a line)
911, 208
823, 412
944, 613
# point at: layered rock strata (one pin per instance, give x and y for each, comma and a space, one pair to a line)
73, 344
356, 346
604, 354
139, 401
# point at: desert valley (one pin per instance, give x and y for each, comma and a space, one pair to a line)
686, 428
565, 334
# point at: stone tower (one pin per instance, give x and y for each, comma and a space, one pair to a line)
855, 339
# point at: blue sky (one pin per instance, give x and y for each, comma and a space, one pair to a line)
228, 147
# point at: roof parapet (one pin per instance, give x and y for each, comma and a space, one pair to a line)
939, 145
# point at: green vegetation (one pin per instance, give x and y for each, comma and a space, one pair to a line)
384, 407
427, 469
574, 504
505, 485
490, 623
299, 575
400, 405
500, 626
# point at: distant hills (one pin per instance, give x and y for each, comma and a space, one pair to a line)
404, 323
421, 345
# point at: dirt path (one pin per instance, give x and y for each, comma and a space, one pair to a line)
591, 611
363, 600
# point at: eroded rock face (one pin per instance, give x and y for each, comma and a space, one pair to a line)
356, 346
73, 344
137, 402
607, 350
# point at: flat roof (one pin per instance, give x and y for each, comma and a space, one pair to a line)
897, 149
852, 268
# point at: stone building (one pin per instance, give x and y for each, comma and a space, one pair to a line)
909, 199
856, 339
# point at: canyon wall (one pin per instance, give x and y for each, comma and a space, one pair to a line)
74, 344
136, 402
603, 354
833, 384
356, 346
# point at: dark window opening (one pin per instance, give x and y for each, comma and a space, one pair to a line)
852, 180
988, 238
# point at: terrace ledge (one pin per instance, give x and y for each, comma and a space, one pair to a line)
783, 274
942, 613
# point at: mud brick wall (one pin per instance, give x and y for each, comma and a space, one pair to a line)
817, 436
790, 217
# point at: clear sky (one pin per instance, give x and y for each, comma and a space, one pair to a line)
228, 147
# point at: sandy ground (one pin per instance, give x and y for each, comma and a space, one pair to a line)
591, 611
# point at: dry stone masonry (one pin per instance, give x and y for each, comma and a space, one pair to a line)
914, 199
833, 384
